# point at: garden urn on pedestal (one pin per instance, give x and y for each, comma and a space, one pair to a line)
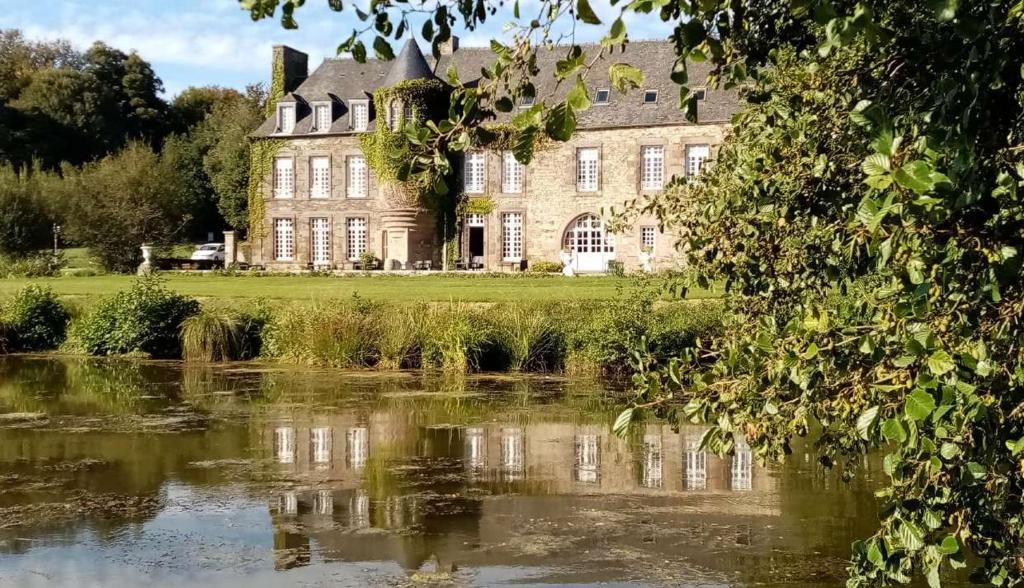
146, 266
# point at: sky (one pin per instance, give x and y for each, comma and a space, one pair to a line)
214, 42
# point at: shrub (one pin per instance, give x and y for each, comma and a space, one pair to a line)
34, 320
36, 265
677, 326
145, 318
211, 335
545, 267
367, 261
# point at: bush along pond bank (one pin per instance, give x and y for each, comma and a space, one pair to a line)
149, 320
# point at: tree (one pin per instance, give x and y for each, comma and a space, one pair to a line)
194, 104
115, 205
866, 219
20, 59
25, 218
226, 132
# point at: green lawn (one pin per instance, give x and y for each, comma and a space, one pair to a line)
375, 287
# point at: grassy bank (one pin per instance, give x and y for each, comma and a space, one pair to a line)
422, 288
149, 319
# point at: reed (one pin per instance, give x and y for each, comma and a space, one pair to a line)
211, 335
453, 337
526, 338
397, 337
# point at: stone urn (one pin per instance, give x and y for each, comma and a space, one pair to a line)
146, 267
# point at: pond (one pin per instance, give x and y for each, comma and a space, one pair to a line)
123, 473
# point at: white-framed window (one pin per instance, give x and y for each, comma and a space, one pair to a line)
320, 182
587, 169
652, 471
320, 445
284, 177
700, 93
650, 96
355, 235
511, 174
284, 239
602, 96
647, 238
357, 176
320, 241
587, 454
358, 439
695, 465
360, 115
696, 155
407, 114
286, 118
394, 114
322, 117
512, 236
652, 168
475, 172
474, 219
526, 101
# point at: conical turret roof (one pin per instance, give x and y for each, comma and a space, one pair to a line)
409, 65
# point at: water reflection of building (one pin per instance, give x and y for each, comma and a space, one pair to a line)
393, 475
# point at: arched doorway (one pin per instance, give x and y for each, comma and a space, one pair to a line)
590, 244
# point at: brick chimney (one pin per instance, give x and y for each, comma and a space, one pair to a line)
450, 46
294, 63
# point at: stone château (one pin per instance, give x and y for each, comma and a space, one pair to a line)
324, 207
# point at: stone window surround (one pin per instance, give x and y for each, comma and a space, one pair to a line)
330, 177
367, 232
347, 156
522, 179
524, 246
666, 162
294, 107
273, 177
576, 147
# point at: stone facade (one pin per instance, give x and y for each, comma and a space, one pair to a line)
521, 228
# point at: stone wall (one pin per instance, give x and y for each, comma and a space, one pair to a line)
549, 202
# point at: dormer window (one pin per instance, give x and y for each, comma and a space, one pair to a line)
322, 117
603, 96
360, 115
527, 101
699, 93
650, 96
286, 118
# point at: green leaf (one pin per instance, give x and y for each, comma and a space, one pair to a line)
812, 352
1015, 447
359, 52
875, 556
910, 536
625, 77
876, 164
622, 421
382, 49
944, 9
616, 34
919, 405
893, 430
949, 451
940, 363
585, 13
949, 545
522, 146
866, 421
578, 99
561, 122
915, 176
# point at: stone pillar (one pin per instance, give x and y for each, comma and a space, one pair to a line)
398, 223
230, 249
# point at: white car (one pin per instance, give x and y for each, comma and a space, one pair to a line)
209, 252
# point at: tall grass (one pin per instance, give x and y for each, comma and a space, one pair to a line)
397, 337
527, 338
211, 335
453, 337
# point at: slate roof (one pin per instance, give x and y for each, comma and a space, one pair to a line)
346, 79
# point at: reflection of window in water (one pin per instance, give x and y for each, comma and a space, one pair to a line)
742, 466
695, 465
651, 472
512, 453
323, 502
476, 449
587, 449
288, 503
320, 445
359, 510
284, 445
358, 447
394, 512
